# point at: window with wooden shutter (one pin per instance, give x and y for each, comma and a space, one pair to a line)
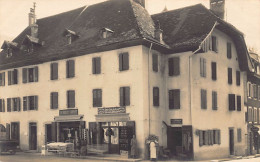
124, 96
174, 66
156, 96
214, 70
9, 104
96, 65
54, 71
229, 50
174, 99
123, 61
239, 135
203, 100
231, 99
214, 100
2, 105
2, 79
54, 100
155, 62
238, 78
214, 42
97, 97
238, 103
71, 99
229, 75
70, 64
13, 77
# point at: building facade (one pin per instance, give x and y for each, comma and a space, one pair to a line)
69, 77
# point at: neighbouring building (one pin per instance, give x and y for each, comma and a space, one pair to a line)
105, 72
253, 106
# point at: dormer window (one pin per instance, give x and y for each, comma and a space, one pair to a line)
29, 43
9, 52
70, 36
106, 32
9, 47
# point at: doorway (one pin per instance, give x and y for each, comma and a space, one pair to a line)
231, 141
48, 137
15, 131
32, 136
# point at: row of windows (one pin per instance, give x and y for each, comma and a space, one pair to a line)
14, 104
253, 115
253, 91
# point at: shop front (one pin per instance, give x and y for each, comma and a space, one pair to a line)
111, 132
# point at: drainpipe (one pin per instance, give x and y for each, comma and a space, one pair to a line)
148, 70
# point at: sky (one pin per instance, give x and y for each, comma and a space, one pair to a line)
243, 14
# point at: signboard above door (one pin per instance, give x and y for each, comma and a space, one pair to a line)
68, 112
176, 121
111, 110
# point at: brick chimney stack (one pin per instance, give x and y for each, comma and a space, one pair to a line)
141, 2
32, 22
218, 7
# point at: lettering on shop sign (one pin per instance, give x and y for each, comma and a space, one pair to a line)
176, 121
68, 112
111, 110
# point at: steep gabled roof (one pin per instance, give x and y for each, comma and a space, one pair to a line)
127, 19
186, 28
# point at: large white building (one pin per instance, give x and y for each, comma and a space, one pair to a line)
178, 75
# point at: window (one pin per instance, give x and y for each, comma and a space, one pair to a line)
13, 104
71, 99
123, 61
248, 89
97, 98
231, 99
30, 74
156, 96
54, 100
70, 68
239, 135
174, 99
2, 79
124, 96
214, 100
255, 93
31, 103
250, 114
155, 62
229, 50
54, 71
2, 105
174, 66
229, 75
214, 70
96, 65
238, 78
13, 77
203, 98
238, 103
203, 71
214, 42
255, 115
209, 137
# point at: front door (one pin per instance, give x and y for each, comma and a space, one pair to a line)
33, 136
174, 140
231, 141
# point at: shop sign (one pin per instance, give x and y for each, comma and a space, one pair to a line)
111, 110
176, 121
68, 112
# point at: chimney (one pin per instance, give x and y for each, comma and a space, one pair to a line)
218, 7
141, 2
32, 22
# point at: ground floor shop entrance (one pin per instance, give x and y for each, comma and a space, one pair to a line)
111, 137
32, 136
180, 142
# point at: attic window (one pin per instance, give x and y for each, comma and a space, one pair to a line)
70, 36
9, 52
9, 47
106, 32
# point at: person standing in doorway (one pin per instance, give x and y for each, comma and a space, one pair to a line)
133, 147
153, 151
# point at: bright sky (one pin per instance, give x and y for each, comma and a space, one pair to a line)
243, 14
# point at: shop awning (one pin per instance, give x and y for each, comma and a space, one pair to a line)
112, 117
68, 118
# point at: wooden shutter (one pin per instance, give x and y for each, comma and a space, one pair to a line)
155, 62
25, 75
231, 99
98, 65
214, 70
54, 71
171, 103
9, 104
203, 99
99, 97
70, 68
176, 99
200, 138
93, 65
120, 62
238, 78
71, 99
170, 66
214, 100
35, 70
25, 103
1, 105
258, 92
229, 53
2, 81
176, 66
204, 68
94, 98
7, 131
54, 131
125, 61
238, 103
18, 104
229, 75
219, 136
54, 100
206, 138
156, 96
15, 76
127, 96
201, 67
9, 77
239, 133
35, 102
121, 92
